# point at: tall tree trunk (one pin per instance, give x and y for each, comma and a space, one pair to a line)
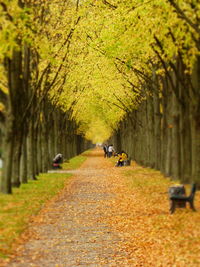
151, 133
23, 163
31, 152
16, 160
14, 124
157, 128
164, 134
195, 122
7, 154
175, 134
39, 149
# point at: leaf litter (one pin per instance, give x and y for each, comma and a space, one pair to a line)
111, 216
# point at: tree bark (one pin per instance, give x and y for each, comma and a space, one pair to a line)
23, 163
7, 154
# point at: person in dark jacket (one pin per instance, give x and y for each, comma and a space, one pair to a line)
105, 149
57, 161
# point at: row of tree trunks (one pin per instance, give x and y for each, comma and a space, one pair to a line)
164, 132
31, 152
33, 131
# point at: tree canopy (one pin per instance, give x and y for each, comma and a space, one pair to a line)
94, 58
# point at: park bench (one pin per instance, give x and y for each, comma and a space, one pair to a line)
56, 166
127, 162
179, 199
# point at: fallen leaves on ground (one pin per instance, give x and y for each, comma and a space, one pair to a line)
110, 216
140, 213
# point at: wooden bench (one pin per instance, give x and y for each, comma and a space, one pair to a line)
177, 199
127, 162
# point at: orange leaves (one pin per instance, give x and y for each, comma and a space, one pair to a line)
152, 235
109, 216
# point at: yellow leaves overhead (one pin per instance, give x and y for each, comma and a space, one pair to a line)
111, 56
98, 55
91, 90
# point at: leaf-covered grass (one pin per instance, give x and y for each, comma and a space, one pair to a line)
17, 209
153, 234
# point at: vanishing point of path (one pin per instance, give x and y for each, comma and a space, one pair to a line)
74, 230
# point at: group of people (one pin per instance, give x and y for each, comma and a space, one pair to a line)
109, 151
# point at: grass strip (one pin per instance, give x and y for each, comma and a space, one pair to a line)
75, 162
17, 209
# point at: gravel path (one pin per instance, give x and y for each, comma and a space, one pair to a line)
73, 229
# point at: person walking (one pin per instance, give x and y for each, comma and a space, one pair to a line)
110, 151
105, 149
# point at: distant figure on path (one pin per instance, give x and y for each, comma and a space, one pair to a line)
110, 151
57, 160
105, 149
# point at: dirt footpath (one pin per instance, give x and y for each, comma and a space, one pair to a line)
74, 230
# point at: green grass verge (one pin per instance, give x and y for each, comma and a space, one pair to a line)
26, 201
74, 162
